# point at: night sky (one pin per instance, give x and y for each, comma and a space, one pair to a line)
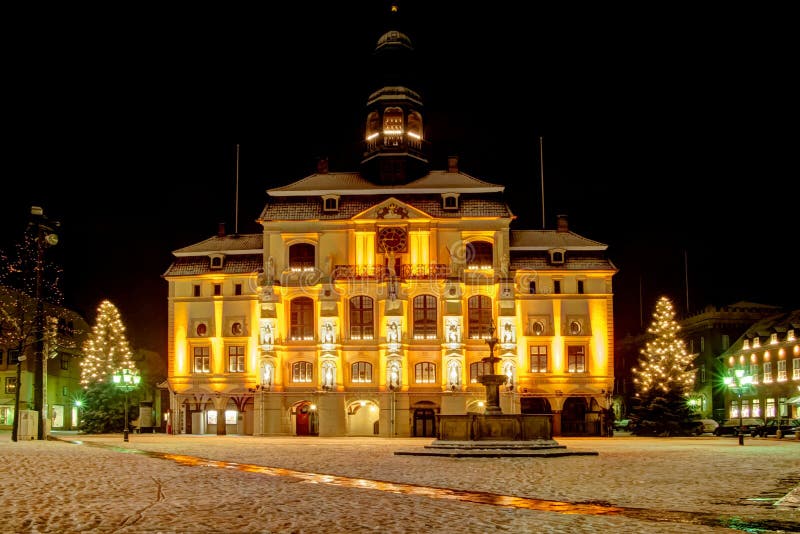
668, 135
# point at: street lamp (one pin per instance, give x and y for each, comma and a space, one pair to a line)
126, 380
738, 383
45, 236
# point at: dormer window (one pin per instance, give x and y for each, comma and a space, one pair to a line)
746, 344
756, 342
450, 201
330, 203
557, 256
216, 261
773, 338
790, 335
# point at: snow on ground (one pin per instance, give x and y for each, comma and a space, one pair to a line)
646, 485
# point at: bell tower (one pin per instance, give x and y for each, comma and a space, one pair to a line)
395, 150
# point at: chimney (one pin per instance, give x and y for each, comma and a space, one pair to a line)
562, 223
452, 164
221, 230
322, 166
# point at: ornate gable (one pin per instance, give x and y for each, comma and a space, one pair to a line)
392, 209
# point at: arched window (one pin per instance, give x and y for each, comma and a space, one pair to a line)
301, 320
425, 373
480, 316
361, 372
301, 371
301, 257
479, 255
425, 317
361, 318
477, 370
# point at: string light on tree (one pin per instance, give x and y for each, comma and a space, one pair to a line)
665, 365
107, 350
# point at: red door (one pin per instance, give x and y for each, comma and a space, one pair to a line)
302, 420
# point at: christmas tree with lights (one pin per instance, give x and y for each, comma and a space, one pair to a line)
664, 377
107, 350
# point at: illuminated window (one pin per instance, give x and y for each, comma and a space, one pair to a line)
202, 360
425, 373
480, 255
425, 317
11, 384
301, 372
301, 257
576, 359
538, 358
796, 368
770, 408
477, 370
361, 318
767, 372
781, 370
734, 409
480, 316
301, 319
236, 359
361, 372
755, 410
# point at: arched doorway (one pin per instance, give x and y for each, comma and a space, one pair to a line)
534, 405
424, 424
573, 417
303, 419
362, 418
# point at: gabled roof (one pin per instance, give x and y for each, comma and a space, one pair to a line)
303, 208
227, 244
352, 183
198, 265
533, 261
549, 239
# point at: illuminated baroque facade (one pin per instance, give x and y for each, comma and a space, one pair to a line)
364, 306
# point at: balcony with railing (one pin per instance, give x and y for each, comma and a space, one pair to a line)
379, 273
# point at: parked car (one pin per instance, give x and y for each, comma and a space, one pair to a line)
621, 424
708, 426
731, 426
779, 426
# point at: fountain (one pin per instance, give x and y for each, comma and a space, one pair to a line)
493, 433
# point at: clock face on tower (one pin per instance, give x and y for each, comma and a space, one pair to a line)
392, 239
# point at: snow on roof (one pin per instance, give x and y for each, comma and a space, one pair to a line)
227, 244
549, 239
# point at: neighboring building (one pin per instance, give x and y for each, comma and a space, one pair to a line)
769, 353
364, 306
707, 335
61, 382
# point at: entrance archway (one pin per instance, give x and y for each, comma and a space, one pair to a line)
424, 423
303, 419
534, 405
573, 417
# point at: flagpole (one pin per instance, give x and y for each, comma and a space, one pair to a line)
541, 176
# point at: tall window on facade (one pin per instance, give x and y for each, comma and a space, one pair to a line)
479, 255
217, 290
726, 341
703, 373
781, 370
538, 357
361, 372
425, 373
202, 360
301, 372
532, 288
13, 357
767, 372
754, 370
425, 317
576, 359
65, 362
477, 370
392, 126
11, 384
580, 287
196, 290
556, 286
301, 319
301, 257
361, 318
236, 359
480, 316
796, 368
237, 289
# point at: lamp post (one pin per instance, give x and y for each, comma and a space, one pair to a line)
45, 236
126, 380
738, 383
